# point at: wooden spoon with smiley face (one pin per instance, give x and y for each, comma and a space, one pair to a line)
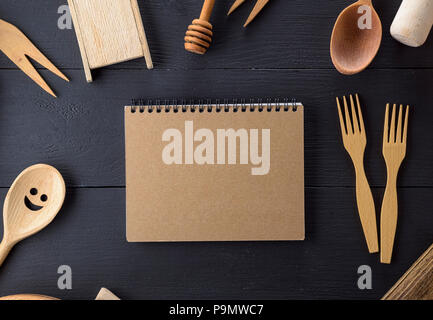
33, 200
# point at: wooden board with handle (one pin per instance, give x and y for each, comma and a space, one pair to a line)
109, 32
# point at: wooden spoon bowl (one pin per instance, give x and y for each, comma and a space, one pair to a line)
32, 202
352, 48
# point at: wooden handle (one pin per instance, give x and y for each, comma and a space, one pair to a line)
388, 218
413, 22
5, 248
199, 34
206, 11
366, 210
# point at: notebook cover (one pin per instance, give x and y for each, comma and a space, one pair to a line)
175, 193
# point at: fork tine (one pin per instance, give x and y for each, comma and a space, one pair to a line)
24, 64
398, 137
235, 6
406, 118
354, 117
340, 115
361, 119
256, 10
33, 52
386, 125
348, 121
392, 129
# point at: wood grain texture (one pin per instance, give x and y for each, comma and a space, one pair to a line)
417, 282
108, 32
322, 267
353, 49
305, 46
81, 134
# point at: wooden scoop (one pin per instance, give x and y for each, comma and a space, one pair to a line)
32, 202
353, 48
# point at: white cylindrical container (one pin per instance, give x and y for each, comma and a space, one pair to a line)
413, 22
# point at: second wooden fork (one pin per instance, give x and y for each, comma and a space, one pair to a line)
355, 140
394, 151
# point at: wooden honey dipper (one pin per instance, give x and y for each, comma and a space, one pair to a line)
199, 34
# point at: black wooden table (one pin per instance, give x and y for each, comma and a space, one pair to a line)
284, 53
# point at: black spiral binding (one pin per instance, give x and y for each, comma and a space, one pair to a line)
208, 105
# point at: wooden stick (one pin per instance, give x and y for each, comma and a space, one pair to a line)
206, 11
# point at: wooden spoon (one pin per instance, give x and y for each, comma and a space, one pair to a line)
352, 48
33, 200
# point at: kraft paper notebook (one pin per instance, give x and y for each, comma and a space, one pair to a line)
215, 172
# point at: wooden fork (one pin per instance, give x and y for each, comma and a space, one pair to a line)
355, 140
394, 151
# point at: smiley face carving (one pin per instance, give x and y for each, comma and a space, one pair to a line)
34, 195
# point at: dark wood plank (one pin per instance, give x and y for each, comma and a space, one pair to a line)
89, 236
81, 133
287, 34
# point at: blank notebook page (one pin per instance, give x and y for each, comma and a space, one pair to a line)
201, 175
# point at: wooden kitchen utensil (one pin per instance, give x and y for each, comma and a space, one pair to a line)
417, 282
257, 8
413, 22
355, 140
199, 34
105, 294
109, 32
28, 297
394, 151
17, 47
353, 48
33, 200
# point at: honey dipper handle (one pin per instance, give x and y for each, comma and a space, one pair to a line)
5, 248
206, 12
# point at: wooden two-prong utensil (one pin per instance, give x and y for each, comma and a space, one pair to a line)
257, 8
354, 44
33, 200
355, 140
199, 34
17, 47
394, 151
